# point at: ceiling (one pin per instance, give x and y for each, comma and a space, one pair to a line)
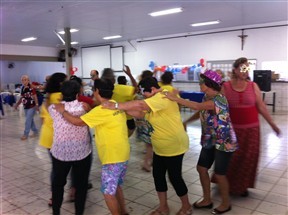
97, 19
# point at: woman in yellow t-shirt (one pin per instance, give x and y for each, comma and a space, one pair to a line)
54, 96
169, 141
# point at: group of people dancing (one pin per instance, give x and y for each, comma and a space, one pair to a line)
230, 134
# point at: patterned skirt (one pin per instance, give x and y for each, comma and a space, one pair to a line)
242, 169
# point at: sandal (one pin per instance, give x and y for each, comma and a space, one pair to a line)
187, 212
158, 212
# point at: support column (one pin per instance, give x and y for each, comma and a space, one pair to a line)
68, 54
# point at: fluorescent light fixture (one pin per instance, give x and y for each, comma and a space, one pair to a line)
74, 43
112, 37
29, 39
72, 30
166, 12
205, 23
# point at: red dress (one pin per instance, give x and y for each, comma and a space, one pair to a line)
242, 169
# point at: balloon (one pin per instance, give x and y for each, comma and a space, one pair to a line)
163, 68
201, 61
152, 65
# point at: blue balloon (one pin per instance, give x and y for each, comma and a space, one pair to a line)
152, 65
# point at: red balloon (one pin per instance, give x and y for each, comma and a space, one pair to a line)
163, 68
202, 64
72, 72
201, 61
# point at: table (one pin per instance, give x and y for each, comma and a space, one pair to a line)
273, 104
191, 96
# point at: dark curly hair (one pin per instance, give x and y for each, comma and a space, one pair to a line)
69, 90
167, 77
239, 61
54, 82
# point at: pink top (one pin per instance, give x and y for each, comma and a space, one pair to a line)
242, 105
70, 142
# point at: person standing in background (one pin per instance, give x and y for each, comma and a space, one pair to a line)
123, 93
30, 104
94, 74
245, 103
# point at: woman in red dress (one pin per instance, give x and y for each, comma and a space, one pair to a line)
245, 103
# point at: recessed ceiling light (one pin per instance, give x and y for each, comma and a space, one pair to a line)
72, 30
166, 12
112, 37
74, 43
29, 39
205, 23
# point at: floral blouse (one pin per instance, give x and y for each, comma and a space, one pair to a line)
217, 130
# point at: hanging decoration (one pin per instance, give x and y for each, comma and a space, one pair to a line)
178, 68
73, 70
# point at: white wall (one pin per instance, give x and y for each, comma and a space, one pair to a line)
37, 71
266, 44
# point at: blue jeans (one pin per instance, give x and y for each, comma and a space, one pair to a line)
29, 122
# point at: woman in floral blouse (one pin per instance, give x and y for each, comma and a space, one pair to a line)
218, 138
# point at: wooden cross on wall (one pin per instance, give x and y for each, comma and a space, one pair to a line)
242, 36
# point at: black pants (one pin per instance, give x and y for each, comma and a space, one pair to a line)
174, 167
61, 170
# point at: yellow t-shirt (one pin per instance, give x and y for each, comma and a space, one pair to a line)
169, 137
123, 93
46, 132
167, 87
111, 134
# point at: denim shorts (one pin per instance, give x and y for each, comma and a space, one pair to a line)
112, 176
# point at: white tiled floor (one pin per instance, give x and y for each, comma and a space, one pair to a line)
25, 169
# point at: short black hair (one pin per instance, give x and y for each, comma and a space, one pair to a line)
167, 77
146, 74
122, 80
146, 84
75, 78
54, 82
211, 84
69, 90
105, 87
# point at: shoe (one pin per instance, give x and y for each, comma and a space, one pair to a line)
89, 186
158, 212
195, 205
216, 211
245, 194
24, 137
187, 212
34, 135
50, 202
